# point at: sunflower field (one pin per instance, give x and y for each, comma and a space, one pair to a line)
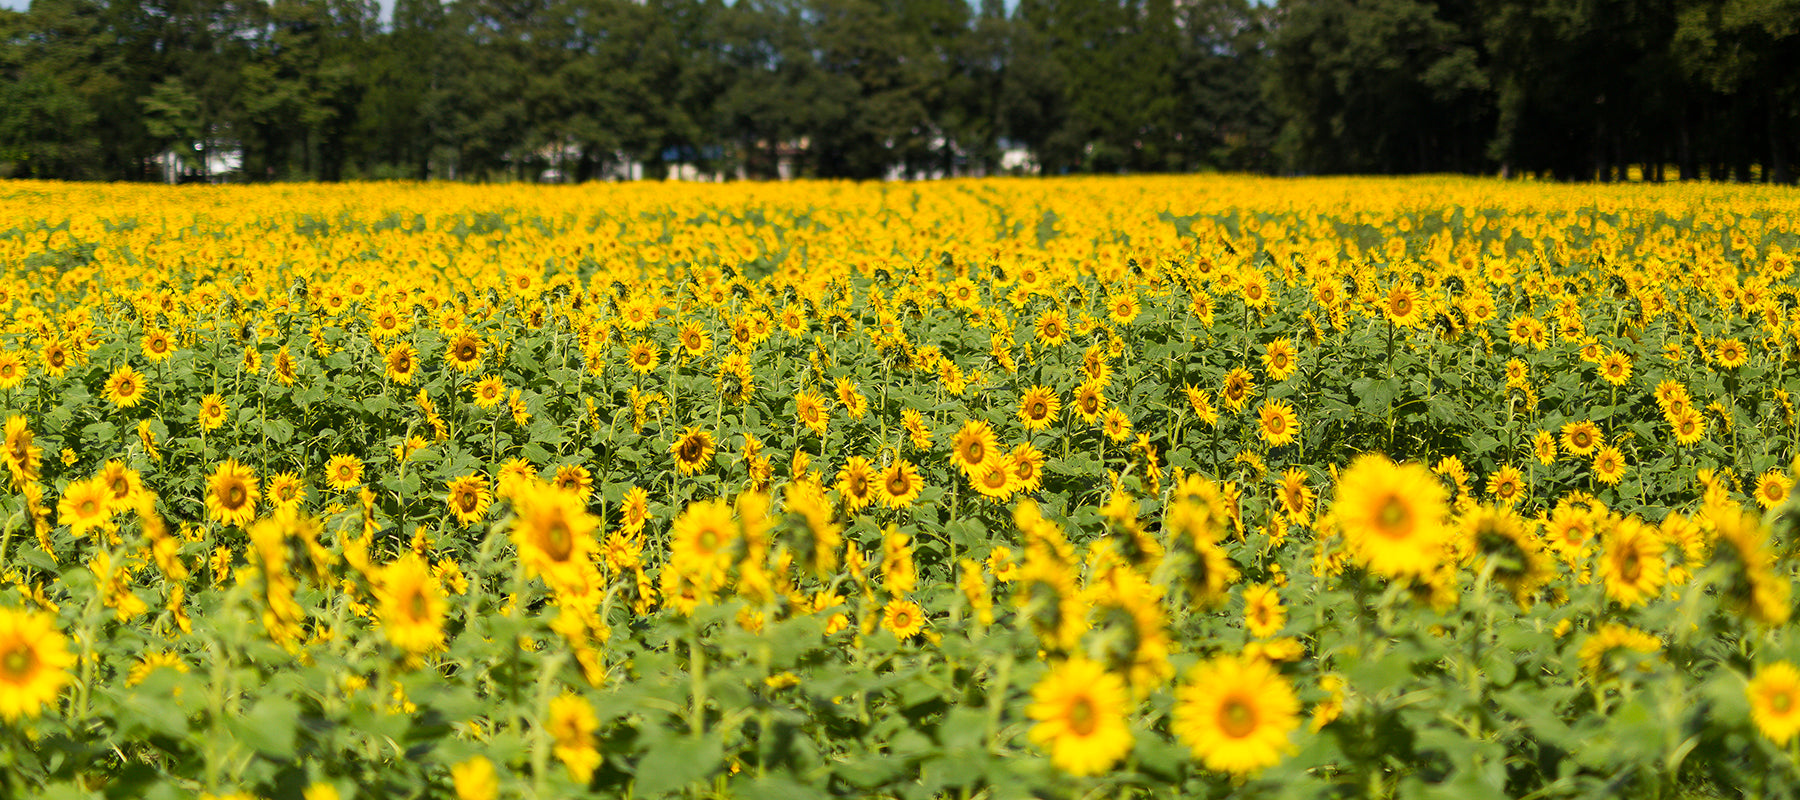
1073, 488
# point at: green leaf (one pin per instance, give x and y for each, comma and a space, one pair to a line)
676, 762
270, 727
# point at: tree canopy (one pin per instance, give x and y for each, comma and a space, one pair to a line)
583, 89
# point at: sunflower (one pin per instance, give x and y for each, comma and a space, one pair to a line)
1237, 389
1609, 465
1116, 426
703, 543
854, 484
231, 494
1089, 401
900, 484
1689, 427
212, 412
1027, 465
810, 409
1775, 701
412, 605
286, 490
1037, 409
85, 505
1123, 308
124, 486
574, 478
1497, 538
1403, 307
1507, 485
343, 472
1543, 446
974, 447
22, 456
643, 355
402, 363
1264, 615
1078, 710
468, 497
286, 372
553, 531
693, 450
125, 387
1280, 359
1277, 423
1615, 368
1616, 645
1392, 515
1632, 562
1236, 714
903, 618
1295, 496
1772, 488
55, 357
1052, 327
34, 663
995, 481
571, 723
488, 392
464, 352
157, 346
1581, 438
693, 339
12, 370
1731, 353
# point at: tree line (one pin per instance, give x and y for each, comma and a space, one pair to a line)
588, 89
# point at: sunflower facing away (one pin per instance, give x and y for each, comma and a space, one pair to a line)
1079, 713
34, 663
1236, 714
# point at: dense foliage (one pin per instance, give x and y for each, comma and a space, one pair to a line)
577, 89
1071, 488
